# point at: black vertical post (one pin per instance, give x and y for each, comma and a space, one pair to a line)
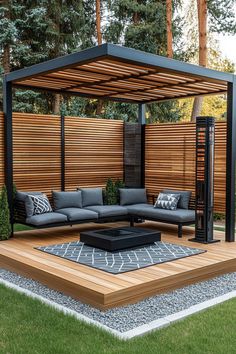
8, 144
230, 162
62, 152
142, 122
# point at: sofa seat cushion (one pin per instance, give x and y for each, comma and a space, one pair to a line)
46, 219
77, 214
137, 207
108, 210
178, 215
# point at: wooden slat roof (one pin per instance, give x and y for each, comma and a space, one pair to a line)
117, 73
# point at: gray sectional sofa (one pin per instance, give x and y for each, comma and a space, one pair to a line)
86, 205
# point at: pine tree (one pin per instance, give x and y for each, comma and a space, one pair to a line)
37, 30
5, 227
65, 19
21, 29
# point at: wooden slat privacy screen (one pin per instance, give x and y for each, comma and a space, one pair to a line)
94, 151
36, 152
170, 159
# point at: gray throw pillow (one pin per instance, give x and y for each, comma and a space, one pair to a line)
67, 199
29, 206
184, 197
41, 204
91, 196
167, 201
130, 196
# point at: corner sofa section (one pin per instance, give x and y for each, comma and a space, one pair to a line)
135, 201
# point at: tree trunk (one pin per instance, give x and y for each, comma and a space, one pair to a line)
56, 51
99, 40
6, 48
169, 28
202, 28
202, 15
56, 103
136, 16
98, 21
6, 59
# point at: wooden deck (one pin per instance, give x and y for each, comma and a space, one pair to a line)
105, 290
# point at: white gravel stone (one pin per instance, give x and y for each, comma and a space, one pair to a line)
129, 317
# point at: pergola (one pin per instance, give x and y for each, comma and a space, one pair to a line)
115, 73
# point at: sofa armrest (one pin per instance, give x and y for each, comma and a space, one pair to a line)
19, 211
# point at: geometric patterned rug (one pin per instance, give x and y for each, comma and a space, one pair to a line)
120, 261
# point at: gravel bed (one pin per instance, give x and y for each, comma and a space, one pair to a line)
131, 316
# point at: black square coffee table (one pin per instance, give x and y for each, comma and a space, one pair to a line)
120, 238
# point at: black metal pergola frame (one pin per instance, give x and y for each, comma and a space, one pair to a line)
135, 58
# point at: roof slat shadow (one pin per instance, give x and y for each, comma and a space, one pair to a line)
118, 77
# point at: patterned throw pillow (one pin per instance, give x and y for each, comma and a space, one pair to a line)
167, 201
41, 204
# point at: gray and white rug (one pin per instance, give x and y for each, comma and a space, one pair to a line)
122, 261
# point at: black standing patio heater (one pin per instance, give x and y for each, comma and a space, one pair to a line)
205, 141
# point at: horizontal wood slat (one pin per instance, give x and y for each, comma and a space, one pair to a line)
170, 159
93, 151
117, 79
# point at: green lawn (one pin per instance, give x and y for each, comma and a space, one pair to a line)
21, 227
29, 327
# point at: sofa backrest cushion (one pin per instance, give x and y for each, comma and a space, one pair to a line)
23, 197
91, 196
185, 196
67, 199
129, 196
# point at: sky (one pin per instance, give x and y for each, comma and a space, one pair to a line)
228, 46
